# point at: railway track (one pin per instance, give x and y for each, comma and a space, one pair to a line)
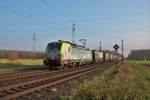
20, 89
16, 74
29, 76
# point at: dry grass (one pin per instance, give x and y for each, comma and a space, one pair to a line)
123, 82
22, 61
9, 66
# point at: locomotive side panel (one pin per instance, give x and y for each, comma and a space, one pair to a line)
80, 55
65, 53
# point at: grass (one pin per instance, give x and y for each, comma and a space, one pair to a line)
129, 81
142, 74
142, 62
22, 61
7, 66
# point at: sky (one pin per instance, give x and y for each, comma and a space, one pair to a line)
107, 21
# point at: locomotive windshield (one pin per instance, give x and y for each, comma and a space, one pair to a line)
53, 49
55, 46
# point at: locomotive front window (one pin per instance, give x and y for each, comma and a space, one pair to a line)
53, 46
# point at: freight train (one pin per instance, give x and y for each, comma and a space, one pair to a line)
66, 54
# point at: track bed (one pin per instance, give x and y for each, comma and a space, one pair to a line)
28, 84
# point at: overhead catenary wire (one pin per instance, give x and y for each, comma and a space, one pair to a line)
25, 16
115, 26
20, 14
56, 10
62, 14
32, 19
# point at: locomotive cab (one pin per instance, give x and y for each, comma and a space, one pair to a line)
53, 54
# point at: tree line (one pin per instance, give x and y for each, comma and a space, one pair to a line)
13, 54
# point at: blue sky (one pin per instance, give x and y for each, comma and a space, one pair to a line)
105, 20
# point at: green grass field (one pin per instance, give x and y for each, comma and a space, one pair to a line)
8, 66
130, 81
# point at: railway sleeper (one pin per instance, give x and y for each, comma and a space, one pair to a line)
24, 87
36, 84
3, 94
17, 89
41, 82
7, 92
30, 86
45, 81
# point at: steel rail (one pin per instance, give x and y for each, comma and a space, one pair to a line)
37, 83
16, 74
35, 76
25, 74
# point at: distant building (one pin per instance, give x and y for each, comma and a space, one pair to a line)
139, 54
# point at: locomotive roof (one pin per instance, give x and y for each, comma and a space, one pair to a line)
74, 45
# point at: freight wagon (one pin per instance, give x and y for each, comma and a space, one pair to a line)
97, 56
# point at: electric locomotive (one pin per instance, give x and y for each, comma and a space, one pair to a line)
64, 53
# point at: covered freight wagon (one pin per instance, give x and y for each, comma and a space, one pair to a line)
97, 56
